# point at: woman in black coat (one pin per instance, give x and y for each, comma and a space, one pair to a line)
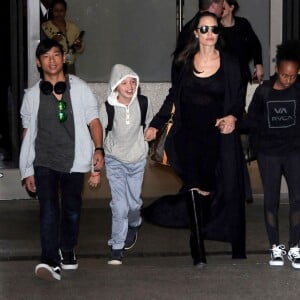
203, 146
240, 40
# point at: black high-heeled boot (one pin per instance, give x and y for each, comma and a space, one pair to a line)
195, 209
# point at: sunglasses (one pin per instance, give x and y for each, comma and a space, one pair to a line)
62, 115
204, 29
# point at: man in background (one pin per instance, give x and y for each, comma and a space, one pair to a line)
44, 10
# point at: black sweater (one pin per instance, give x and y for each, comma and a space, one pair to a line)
241, 41
273, 116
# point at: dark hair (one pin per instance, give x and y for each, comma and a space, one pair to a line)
192, 44
205, 4
289, 51
235, 4
45, 45
55, 2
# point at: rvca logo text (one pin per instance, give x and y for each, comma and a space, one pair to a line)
281, 114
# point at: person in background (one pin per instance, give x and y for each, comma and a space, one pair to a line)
44, 15
44, 10
62, 140
126, 155
203, 146
65, 32
240, 40
273, 118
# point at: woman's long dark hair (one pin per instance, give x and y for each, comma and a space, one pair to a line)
235, 4
192, 45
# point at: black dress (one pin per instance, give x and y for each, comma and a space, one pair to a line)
198, 140
227, 219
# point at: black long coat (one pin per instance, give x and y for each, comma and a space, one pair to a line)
227, 222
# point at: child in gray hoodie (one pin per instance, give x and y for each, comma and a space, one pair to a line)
126, 152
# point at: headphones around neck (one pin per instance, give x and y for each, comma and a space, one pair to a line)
47, 87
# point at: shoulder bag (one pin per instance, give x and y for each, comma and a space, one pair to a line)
157, 149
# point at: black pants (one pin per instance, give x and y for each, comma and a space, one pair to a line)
59, 196
272, 168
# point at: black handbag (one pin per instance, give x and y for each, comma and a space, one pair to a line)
157, 149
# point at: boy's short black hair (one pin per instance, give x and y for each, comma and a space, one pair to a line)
45, 45
288, 51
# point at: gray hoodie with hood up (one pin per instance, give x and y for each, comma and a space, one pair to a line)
125, 142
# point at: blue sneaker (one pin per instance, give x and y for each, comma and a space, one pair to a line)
116, 257
131, 238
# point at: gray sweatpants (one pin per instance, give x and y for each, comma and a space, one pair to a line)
125, 181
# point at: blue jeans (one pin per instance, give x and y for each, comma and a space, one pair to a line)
59, 197
125, 180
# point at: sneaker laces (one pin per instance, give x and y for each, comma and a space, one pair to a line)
294, 252
279, 251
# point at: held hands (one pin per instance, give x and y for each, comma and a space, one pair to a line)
94, 179
98, 163
98, 160
226, 124
150, 134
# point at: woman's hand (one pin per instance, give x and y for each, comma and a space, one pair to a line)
226, 124
150, 134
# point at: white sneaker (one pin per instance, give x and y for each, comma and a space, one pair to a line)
277, 253
294, 257
68, 260
47, 272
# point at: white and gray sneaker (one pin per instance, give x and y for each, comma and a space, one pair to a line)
294, 257
47, 272
277, 253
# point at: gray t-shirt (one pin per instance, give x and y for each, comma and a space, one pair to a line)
55, 141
